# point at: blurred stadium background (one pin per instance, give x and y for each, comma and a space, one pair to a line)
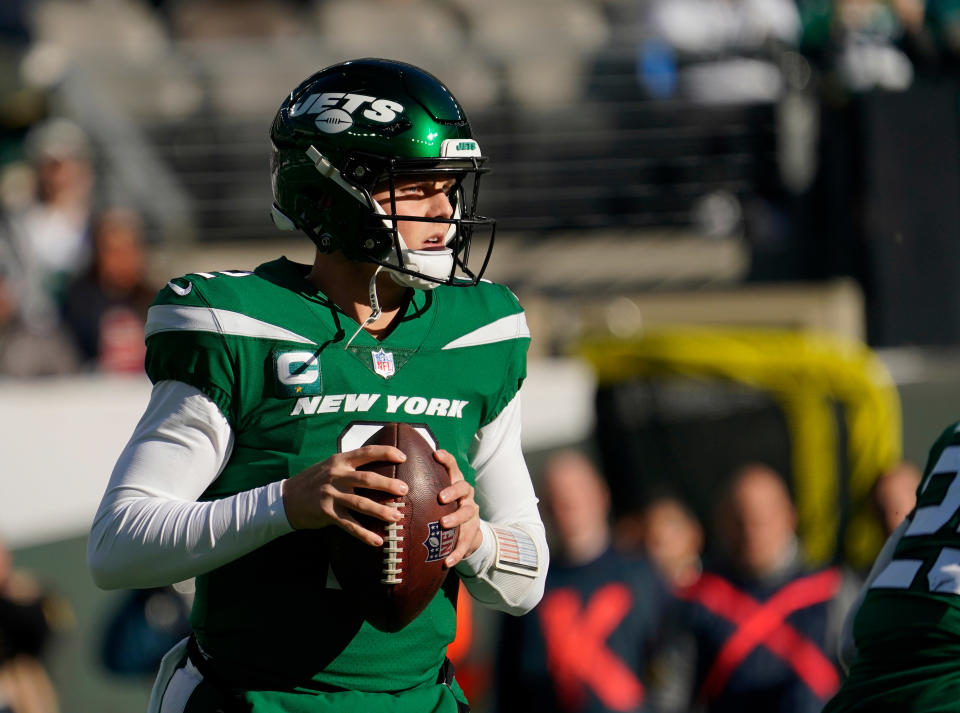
735, 227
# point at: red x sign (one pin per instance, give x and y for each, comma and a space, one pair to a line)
765, 625
577, 653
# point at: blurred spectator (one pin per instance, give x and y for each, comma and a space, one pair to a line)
894, 494
50, 236
105, 308
881, 44
671, 536
585, 648
716, 51
144, 626
25, 686
29, 347
759, 630
868, 33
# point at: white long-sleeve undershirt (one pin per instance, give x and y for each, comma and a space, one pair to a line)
150, 530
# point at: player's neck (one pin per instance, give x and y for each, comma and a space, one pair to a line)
347, 284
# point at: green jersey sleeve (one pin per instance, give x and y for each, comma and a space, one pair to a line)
484, 337
185, 344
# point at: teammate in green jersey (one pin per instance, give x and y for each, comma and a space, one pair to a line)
902, 638
267, 383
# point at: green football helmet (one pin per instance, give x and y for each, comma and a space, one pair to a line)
355, 128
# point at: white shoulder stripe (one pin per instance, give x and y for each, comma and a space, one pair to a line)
513, 326
170, 318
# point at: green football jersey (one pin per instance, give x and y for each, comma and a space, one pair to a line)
272, 353
907, 629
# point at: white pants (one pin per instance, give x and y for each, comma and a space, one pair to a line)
176, 681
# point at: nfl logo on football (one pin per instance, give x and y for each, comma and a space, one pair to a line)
439, 542
383, 363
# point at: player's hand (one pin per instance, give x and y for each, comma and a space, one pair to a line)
467, 516
323, 494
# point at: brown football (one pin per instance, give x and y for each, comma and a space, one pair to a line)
392, 584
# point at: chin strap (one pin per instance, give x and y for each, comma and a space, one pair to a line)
374, 304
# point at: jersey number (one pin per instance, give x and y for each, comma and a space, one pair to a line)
944, 575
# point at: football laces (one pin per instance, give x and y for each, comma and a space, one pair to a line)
393, 550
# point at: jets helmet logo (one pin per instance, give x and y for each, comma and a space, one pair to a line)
335, 110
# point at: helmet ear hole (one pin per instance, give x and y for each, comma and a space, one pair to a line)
320, 198
376, 242
362, 172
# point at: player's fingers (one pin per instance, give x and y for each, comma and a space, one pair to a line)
450, 463
467, 511
369, 454
460, 489
348, 524
464, 538
360, 504
374, 481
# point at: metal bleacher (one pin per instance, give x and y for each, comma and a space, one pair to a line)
594, 156
638, 165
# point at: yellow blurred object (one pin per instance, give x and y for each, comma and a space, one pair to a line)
808, 375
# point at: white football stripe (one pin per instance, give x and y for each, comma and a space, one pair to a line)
425, 434
171, 318
513, 326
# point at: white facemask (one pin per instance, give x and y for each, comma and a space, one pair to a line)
435, 263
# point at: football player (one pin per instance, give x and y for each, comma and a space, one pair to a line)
902, 637
268, 383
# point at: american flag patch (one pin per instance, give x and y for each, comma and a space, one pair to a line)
516, 552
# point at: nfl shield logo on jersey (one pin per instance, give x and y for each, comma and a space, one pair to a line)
383, 363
